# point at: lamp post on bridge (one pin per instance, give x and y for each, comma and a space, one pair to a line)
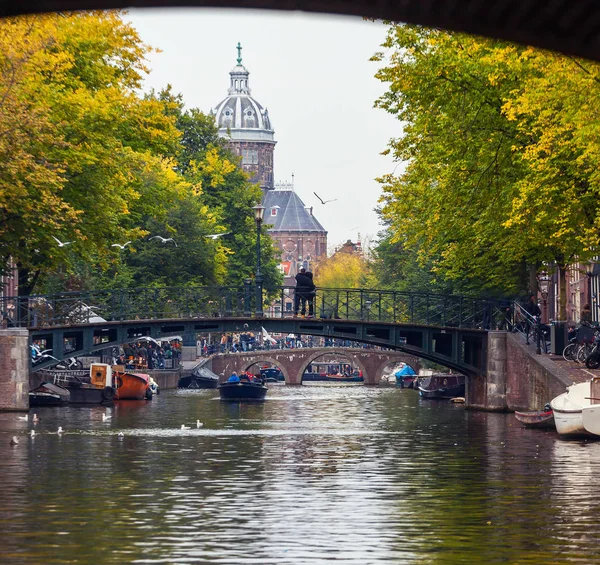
259, 211
544, 284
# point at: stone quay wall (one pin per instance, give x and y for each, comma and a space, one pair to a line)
14, 369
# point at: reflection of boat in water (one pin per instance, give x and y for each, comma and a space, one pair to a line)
536, 418
442, 385
243, 390
49, 394
332, 371
577, 411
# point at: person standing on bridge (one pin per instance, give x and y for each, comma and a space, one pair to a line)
304, 287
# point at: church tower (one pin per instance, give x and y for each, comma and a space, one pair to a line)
246, 126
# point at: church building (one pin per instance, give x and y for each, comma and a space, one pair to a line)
246, 126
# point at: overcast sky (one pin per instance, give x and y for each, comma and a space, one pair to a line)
313, 74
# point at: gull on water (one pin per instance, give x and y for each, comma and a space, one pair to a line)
14, 440
184, 427
121, 246
163, 239
32, 433
60, 243
120, 435
199, 424
105, 417
60, 430
24, 418
35, 418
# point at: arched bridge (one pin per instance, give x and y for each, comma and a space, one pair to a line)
293, 362
450, 330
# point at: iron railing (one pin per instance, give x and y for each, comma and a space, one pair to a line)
75, 308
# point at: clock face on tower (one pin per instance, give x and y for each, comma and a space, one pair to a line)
289, 245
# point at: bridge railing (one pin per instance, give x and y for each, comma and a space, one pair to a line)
73, 308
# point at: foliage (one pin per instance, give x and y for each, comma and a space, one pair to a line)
341, 270
500, 143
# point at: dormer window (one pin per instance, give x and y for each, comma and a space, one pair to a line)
273, 211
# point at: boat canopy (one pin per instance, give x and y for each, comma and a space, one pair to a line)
406, 371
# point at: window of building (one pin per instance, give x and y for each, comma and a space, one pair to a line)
288, 306
249, 157
274, 211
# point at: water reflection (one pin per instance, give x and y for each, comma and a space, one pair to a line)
312, 475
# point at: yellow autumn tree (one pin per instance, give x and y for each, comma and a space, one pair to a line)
341, 270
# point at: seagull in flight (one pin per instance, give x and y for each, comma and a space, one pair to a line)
121, 246
163, 239
324, 201
217, 235
60, 243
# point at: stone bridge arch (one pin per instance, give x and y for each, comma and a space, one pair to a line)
293, 362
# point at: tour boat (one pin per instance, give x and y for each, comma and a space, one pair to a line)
577, 411
131, 386
536, 418
442, 385
332, 371
243, 390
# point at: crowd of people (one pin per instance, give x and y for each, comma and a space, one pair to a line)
150, 354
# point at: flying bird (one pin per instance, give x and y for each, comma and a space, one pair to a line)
60, 243
324, 201
121, 246
217, 235
163, 239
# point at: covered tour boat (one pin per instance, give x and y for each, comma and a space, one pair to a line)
442, 385
332, 371
200, 377
405, 377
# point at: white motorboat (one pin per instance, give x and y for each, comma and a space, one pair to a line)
577, 411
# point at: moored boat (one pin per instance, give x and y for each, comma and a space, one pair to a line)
536, 418
131, 386
570, 406
406, 377
243, 390
200, 377
442, 385
95, 388
49, 394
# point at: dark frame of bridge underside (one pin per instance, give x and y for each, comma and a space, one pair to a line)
461, 349
567, 26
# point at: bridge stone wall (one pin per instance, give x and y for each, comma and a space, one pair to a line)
293, 362
14, 369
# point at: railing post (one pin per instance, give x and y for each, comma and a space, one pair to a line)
247, 298
259, 299
228, 309
538, 343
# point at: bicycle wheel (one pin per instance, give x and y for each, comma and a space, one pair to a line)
569, 353
583, 352
592, 361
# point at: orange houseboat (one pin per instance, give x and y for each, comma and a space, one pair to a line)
131, 386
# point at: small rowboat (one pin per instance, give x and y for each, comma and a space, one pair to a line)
536, 418
242, 391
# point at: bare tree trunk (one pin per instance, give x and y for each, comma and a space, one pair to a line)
533, 282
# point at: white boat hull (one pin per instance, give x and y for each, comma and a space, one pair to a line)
574, 414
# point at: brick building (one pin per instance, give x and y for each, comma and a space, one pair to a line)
246, 126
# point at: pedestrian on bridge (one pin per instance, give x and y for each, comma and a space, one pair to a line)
304, 289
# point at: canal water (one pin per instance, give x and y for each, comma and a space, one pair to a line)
315, 474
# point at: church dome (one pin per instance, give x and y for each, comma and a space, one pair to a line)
240, 117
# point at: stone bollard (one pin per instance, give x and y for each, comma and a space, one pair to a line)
14, 369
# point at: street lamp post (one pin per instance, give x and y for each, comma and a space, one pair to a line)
544, 284
259, 212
